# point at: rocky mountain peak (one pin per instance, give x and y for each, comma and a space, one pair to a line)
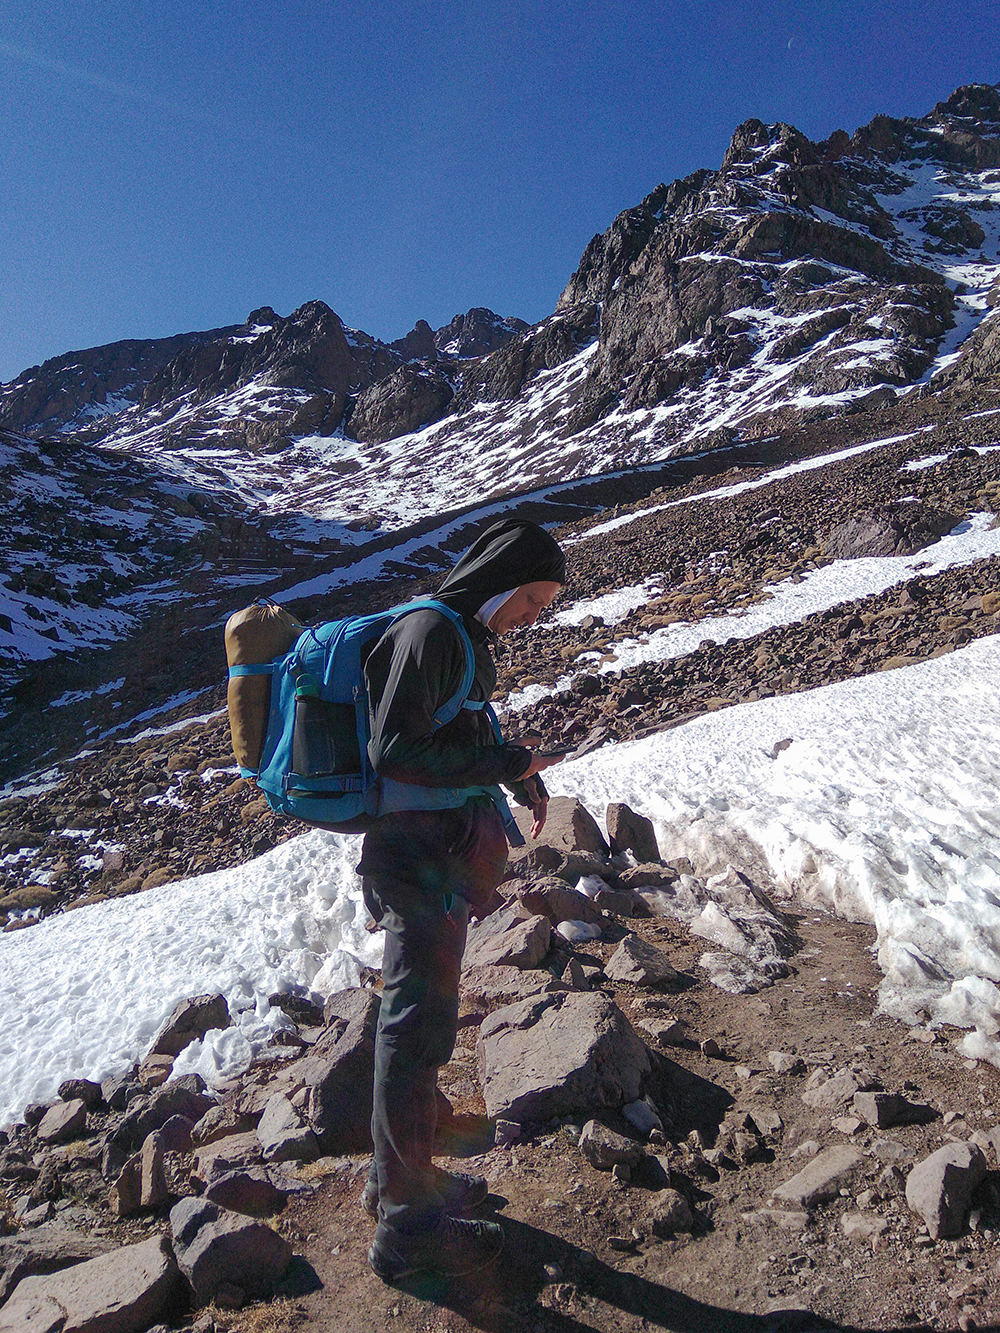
973, 101
476, 333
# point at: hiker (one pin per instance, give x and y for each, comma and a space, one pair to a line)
424, 872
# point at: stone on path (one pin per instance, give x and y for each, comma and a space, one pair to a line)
883, 1110
828, 1172
604, 1149
64, 1120
863, 1226
339, 1072
120, 1292
640, 962
670, 1212
665, 1029
523, 945
216, 1248
784, 1062
45, 1249
831, 1094
630, 832
554, 1054
940, 1187
189, 1020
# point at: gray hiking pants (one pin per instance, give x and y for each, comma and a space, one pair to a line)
425, 932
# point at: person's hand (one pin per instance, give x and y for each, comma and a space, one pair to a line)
535, 793
539, 805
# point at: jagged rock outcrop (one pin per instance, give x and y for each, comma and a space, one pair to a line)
476, 333
81, 387
405, 401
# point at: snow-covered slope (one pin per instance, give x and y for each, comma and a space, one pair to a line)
882, 807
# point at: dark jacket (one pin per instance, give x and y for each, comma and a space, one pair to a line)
414, 669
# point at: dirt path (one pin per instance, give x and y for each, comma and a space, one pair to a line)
561, 1271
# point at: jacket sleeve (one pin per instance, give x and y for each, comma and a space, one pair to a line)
415, 668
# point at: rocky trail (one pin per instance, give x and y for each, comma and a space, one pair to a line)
676, 1139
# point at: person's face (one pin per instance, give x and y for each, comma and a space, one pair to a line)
524, 606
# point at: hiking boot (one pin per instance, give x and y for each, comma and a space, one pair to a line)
453, 1246
460, 1192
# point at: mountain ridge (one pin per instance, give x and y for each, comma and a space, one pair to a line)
795, 289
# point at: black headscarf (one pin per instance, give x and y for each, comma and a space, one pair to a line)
510, 553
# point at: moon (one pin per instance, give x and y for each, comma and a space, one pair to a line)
791, 43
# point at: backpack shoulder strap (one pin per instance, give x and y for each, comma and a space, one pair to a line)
448, 711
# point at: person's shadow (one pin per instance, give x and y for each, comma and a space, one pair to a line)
503, 1298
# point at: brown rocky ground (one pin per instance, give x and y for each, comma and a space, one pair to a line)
581, 1252
562, 1268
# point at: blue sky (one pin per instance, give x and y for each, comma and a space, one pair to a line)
171, 166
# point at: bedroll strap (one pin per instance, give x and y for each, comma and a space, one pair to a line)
252, 669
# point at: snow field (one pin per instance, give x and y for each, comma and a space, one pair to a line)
84, 993
882, 809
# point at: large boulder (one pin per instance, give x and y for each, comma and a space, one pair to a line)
940, 1187
120, 1292
569, 827
190, 1020
339, 1073
631, 832
550, 1055
45, 1249
900, 528
216, 1248
523, 944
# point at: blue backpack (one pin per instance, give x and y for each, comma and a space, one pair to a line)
314, 764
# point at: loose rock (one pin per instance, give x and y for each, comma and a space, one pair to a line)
120, 1292
824, 1177
554, 1054
604, 1149
641, 963
216, 1248
940, 1187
